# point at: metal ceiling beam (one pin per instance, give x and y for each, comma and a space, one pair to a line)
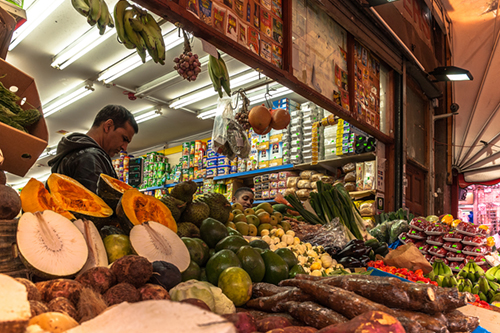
478, 137
482, 162
481, 170
458, 159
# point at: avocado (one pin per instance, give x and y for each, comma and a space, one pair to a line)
259, 243
232, 243
212, 231
276, 267
233, 232
280, 208
195, 250
206, 251
252, 263
297, 269
218, 263
287, 255
193, 272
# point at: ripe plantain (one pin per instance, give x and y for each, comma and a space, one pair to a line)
118, 14
103, 21
95, 12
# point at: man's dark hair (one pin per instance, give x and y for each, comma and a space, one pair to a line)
118, 114
240, 191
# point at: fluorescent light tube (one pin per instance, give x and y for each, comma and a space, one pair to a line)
147, 114
69, 97
80, 47
141, 120
207, 114
458, 77
35, 14
209, 92
133, 61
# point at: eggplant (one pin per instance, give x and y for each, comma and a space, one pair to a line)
364, 259
355, 241
354, 250
350, 262
383, 249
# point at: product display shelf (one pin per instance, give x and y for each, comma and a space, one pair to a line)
17, 12
256, 202
362, 194
333, 163
248, 174
166, 186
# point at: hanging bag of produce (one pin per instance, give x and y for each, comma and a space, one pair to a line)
236, 133
219, 133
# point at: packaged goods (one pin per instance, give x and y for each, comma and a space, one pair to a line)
223, 170
290, 191
369, 176
257, 180
291, 182
273, 193
211, 172
212, 162
275, 162
350, 177
349, 167
265, 178
242, 165
303, 194
281, 184
307, 174
367, 208
303, 183
350, 187
274, 185
223, 160
265, 195
265, 186
360, 175
327, 179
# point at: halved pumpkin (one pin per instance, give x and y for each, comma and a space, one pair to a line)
73, 196
136, 208
36, 198
111, 189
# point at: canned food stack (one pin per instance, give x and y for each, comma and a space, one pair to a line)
199, 156
252, 163
329, 141
211, 161
188, 160
296, 138
264, 150
311, 113
156, 168
121, 166
283, 136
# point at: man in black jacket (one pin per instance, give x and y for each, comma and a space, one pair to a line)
84, 157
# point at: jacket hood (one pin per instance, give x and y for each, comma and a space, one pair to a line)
69, 144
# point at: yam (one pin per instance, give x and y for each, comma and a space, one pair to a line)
270, 303
258, 315
313, 314
153, 291
90, 305
435, 324
31, 289
294, 329
122, 292
270, 323
369, 322
132, 269
63, 305
98, 278
66, 288
459, 322
263, 289
37, 308
243, 321
196, 302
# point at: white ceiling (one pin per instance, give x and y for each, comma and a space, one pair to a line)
34, 56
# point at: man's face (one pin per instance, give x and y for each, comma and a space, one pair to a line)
117, 139
245, 199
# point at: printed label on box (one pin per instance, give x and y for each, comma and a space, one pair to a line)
232, 26
253, 40
277, 8
265, 22
276, 150
219, 17
264, 155
242, 33
264, 164
277, 56
206, 11
278, 30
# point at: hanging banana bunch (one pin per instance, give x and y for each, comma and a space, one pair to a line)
137, 29
219, 75
96, 11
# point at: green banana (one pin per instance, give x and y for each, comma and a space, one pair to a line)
467, 289
215, 74
483, 285
476, 290
497, 273
453, 281
132, 35
494, 285
81, 7
483, 297
152, 22
225, 80
490, 273
447, 270
118, 14
490, 295
440, 280
95, 11
431, 275
472, 277
103, 21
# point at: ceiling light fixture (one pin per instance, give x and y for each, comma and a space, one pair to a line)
80, 47
236, 81
451, 73
148, 114
35, 14
133, 60
69, 97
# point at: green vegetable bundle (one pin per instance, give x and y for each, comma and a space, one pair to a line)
12, 114
328, 203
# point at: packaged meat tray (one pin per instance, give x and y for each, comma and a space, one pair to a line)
474, 240
415, 234
403, 237
435, 240
453, 236
437, 251
467, 229
434, 229
418, 224
457, 267
453, 247
474, 250
424, 248
455, 256
428, 257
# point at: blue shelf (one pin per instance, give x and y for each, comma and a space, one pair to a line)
263, 201
247, 174
167, 186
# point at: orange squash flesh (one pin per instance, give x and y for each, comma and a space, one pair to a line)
36, 198
136, 208
73, 196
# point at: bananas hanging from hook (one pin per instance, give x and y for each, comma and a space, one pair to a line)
136, 28
96, 12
